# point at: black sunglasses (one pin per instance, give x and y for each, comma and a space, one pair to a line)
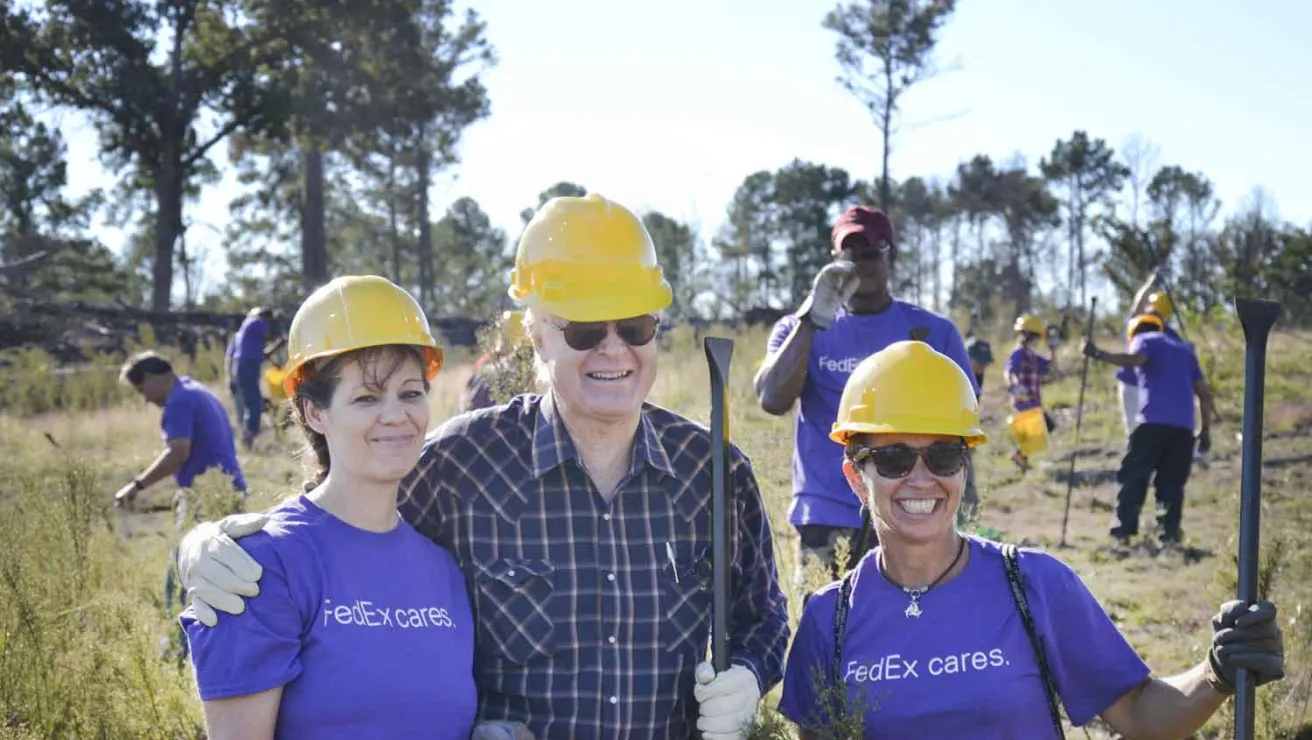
857, 248
582, 336
896, 461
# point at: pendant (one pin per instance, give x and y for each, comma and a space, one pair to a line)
913, 609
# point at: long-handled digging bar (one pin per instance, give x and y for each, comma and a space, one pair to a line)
1079, 420
719, 352
1257, 318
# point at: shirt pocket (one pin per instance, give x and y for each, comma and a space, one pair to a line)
686, 599
515, 607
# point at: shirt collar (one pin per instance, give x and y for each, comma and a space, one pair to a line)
552, 445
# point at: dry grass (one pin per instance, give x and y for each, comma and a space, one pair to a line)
83, 621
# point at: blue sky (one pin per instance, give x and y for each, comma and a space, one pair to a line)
670, 105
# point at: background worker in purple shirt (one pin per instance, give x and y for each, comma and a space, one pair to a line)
582, 517
848, 316
251, 349
1162, 444
362, 626
230, 379
197, 435
1151, 299
934, 634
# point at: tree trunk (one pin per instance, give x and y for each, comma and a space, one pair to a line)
425, 228
314, 252
883, 180
935, 253
391, 218
1073, 228
168, 220
955, 252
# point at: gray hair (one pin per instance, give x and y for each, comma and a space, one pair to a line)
541, 372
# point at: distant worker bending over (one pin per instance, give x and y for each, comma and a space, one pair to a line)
197, 434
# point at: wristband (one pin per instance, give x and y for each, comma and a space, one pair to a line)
137, 484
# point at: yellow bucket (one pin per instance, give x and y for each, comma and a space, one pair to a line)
1030, 430
272, 384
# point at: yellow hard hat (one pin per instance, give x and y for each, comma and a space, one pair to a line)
511, 328
1160, 303
351, 313
1140, 320
588, 259
1028, 323
908, 388
273, 387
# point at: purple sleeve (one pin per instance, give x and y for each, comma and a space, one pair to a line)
782, 328
1141, 346
256, 650
1043, 365
809, 662
1013, 362
1196, 372
955, 347
1092, 663
179, 419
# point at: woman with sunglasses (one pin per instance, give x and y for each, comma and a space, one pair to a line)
939, 635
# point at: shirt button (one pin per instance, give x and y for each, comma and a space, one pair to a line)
606, 516
611, 639
610, 577
614, 700
511, 572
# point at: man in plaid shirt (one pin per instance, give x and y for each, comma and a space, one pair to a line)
582, 517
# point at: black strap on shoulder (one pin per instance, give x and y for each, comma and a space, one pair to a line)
1023, 606
840, 628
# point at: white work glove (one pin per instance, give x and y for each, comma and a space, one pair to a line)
832, 289
501, 731
728, 701
215, 570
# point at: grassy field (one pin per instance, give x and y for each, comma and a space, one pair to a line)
84, 623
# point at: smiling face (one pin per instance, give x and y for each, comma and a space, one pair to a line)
606, 383
375, 419
920, 507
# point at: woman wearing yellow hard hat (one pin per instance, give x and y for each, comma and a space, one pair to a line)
936, 634
1026, 373
360, 624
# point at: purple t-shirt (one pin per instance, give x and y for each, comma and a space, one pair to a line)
251, 337
1166, 381
193, 412
1029, 369
370, 634
821, 495
965, 667
1126, 374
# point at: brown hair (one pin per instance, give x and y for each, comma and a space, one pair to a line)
378, 365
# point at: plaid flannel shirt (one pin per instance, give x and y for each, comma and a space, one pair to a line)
586, 629
1025, 368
